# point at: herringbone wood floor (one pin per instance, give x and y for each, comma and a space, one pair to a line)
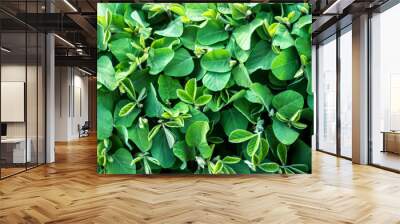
70, 191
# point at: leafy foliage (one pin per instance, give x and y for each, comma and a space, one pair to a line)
204, 88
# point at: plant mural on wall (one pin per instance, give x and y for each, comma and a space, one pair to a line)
210, 88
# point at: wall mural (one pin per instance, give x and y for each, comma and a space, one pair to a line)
210, 88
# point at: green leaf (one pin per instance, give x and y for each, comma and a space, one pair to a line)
253, 145
152, 107
203, 100
174, 29
125, 110
261, 57
303, 46
196, 116
101, 37
121, 163
245, 108
216, 81
263, 94
189, 36
127, 120
270, 167
282, 153
183, 152
182, 95
167, 88
217, 60
121, 47
231, 160
285, 65
231, 120
243, 33
165, 42
240, 135
241, 76
303, 21
139, 136
105, 121
300, 153
283, 133
288, 102
282, 37
205, 150
106, 73
196, 134
170, 137
161, 151
191, 89
181, 65
212, 33
195, 11
159, 59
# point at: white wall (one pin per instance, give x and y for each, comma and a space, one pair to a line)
70, 83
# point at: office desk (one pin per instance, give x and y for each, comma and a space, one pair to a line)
391, 141
16, 147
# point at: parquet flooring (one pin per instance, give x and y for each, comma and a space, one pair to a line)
70, 191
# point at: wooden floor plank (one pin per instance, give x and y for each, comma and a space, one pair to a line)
70, 191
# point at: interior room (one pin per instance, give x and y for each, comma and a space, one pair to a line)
50, 150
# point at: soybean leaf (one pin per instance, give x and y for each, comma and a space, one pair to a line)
231, 120
121, 163
243, 33
139, 135
216, 81
216, 61
260, 57
167, 87
152, 107
240, 135
285, 65
180, 65
212, 33
159, 58
161, 151
174, 29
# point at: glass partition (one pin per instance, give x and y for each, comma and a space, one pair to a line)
326, 140
22, 101
346, 92
385, 89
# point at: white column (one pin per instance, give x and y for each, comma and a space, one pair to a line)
360, 90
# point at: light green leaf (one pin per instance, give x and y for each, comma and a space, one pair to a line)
270, 167
263, 94
125, 110
231, 160
191, 89
127, 120
253, 145
182, 95
240, 135
105, 121
203, 100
